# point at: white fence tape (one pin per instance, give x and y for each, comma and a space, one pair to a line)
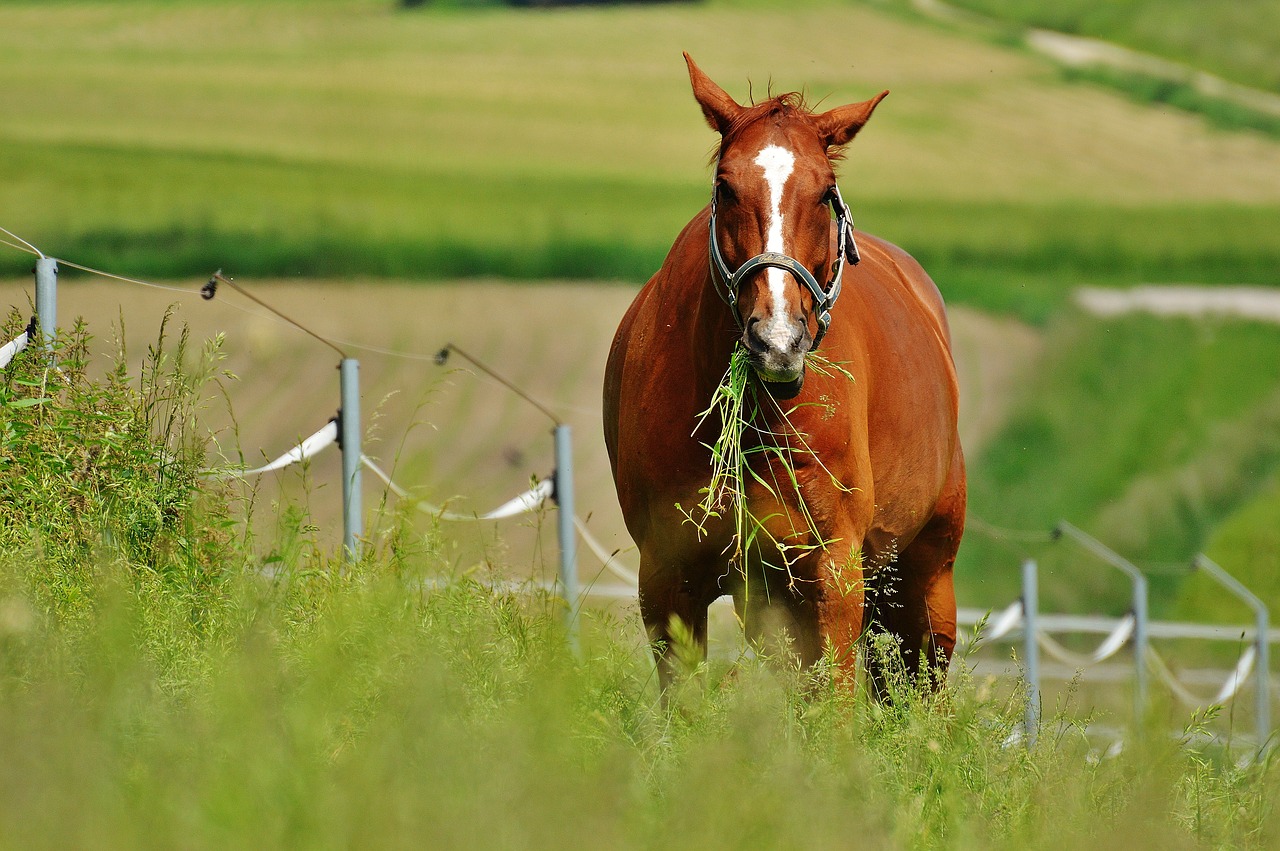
522, 504
1229, 688
1108, 648
1006, 622
14, 346
608, 559
321, 440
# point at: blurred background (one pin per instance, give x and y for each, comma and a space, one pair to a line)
399, 176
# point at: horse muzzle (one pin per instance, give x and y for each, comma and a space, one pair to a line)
779, 364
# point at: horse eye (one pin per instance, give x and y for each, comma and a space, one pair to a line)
724, 192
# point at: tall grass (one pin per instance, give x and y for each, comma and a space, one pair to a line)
168, 680
751, 453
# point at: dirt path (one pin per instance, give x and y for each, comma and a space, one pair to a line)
1258, 303
1079, 51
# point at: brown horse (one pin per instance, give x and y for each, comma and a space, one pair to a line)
872, 521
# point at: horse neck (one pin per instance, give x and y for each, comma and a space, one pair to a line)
714, 330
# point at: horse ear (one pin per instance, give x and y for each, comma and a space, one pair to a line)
841, 124
719, 109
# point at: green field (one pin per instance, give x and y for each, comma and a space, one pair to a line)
1238, 41
184, 663
1148, 432
346, 138
164, 682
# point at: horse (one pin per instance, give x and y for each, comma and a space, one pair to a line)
857, 519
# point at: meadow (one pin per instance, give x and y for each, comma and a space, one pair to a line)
355, 139
1237, 41
186, 662
167, 679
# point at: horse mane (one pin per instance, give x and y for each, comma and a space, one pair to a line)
775, 107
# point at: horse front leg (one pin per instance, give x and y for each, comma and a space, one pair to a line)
674, 611
917, 607
814, 612
839, 607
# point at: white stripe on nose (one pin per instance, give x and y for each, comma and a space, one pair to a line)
777, 163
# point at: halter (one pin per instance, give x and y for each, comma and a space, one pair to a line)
728, 281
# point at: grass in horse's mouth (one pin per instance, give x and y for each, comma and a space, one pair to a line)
745, 436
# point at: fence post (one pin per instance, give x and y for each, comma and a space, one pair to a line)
568, 536
1261, 641
1139, 650
1262, 700
1031, 650
47, 298
1140, 640
349, 432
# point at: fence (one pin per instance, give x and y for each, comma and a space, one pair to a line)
1020, 621
345, 428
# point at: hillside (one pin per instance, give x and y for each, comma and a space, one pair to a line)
1238, 41
345, 138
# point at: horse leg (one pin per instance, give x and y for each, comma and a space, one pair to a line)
674, 612
778, 624
839, 610
813, 617
915, 604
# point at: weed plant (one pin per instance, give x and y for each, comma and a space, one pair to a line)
165, 684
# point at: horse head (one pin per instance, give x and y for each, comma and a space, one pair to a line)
775, 191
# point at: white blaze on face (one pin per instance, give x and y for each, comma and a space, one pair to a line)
777, 163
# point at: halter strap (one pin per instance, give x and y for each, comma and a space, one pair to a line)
727, 281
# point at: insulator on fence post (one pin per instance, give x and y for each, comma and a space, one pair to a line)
1031, 650
349, 433
568, 536
47, 299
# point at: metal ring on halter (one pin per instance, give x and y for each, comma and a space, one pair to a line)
727, 281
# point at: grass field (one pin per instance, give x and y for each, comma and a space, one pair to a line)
186, 664
339, 138
1147, 431
1238, 41
163, 684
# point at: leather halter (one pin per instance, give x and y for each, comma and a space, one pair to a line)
727, 281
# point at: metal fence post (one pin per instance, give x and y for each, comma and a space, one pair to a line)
352, 510
1031, 650
1140, 640
568, 536
47, 298
1261, 641
1139, 650
1262, 681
